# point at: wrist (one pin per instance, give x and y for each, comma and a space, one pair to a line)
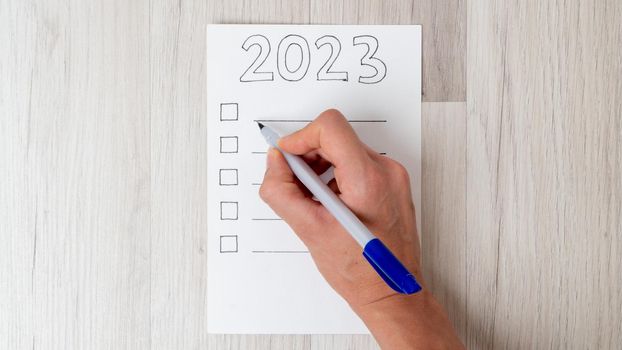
409, 321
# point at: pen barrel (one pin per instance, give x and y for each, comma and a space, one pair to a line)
322, 192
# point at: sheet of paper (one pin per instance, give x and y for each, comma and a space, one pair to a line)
261, 278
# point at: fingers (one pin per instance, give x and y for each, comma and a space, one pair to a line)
334, 139
316, 162
281, 192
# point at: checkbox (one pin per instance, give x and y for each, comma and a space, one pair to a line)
228, 144
228, 111
229, 244
228, 177
228, 210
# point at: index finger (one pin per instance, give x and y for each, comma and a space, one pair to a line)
330, 134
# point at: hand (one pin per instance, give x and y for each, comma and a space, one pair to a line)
374, 187
377, 189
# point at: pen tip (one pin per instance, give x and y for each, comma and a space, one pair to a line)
260, 125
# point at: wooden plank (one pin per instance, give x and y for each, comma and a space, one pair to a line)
178, 175
78, 123
485, 39
259, 12
17, 197
444, 48
543, 168
443, 240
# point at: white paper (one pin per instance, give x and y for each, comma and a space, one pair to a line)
261, 278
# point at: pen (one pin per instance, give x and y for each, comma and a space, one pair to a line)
390, 269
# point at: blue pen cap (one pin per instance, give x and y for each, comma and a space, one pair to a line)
390, 268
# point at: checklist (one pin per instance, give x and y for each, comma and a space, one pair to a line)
261, 278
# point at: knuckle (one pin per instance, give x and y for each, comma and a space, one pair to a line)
266, 192
331, 116
401, 174
397, 172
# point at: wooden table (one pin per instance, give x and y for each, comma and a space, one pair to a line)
103, 169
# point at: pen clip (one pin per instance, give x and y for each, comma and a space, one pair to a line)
390, 268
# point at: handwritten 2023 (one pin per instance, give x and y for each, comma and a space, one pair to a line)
255, 72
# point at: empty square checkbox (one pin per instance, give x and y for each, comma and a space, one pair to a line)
228, 111
229, 244
228, 144
228, 210
228, 177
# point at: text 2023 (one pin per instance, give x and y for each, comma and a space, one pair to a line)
255, 72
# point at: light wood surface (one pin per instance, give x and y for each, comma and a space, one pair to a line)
544, 167
443, 240
74, 175
103, 170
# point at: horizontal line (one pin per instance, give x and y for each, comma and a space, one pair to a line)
256, 184
264, 152
284, 120
281, 251
266, 219
367, 121
310, 120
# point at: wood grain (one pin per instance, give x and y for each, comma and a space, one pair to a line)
443, 240
75, 117
17, 197
543, 175
178, 175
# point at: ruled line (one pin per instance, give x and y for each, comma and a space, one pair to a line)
281, 251
310, 120
264, 152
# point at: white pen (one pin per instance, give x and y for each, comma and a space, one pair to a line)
379, 256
